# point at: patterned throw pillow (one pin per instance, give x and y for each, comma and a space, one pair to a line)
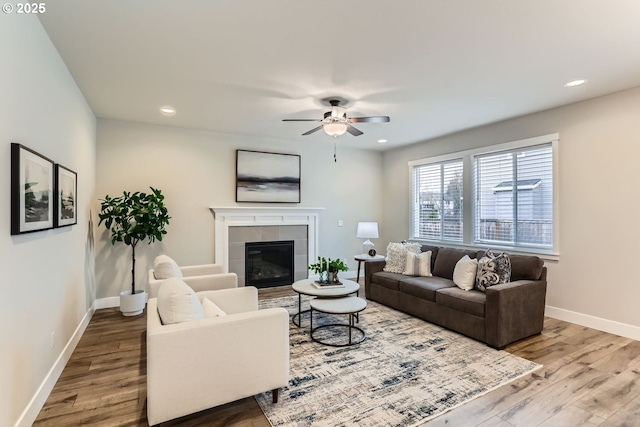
418, 264
493, 269
397, 256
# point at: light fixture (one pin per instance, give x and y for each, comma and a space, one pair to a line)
575, 82
335, 129
168, 110
367, 230
382, 141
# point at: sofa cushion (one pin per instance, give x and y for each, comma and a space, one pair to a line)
434, 253
526, 267
464, 273
472, 302
424, 287
447, 259
178, 303
387, 280
397, 256
418, 264
493, 269
164, 267
210, 309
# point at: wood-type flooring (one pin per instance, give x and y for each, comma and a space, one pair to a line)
590, 378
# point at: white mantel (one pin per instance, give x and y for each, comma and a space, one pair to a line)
243, 216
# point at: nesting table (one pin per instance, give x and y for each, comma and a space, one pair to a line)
347, 305
306, 287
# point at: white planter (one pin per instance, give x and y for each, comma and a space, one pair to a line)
132, 305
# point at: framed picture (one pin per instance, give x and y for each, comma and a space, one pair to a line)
31, 190
65, 201
267, 177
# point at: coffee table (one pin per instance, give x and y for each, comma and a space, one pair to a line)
345, 305
305, 287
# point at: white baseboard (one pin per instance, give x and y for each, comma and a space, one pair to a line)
32, 410
605, 325
107, 302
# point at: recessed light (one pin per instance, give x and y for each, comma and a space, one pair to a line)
168, 110
382, 141
575, 82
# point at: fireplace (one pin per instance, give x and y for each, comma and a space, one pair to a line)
269, 264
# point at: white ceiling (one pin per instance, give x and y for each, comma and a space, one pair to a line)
433, 66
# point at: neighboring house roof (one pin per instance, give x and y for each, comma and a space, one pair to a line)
523, 184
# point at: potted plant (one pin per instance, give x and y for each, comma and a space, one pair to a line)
331, 266
132, 218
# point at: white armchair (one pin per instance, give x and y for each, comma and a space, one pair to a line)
205, 277
200, 364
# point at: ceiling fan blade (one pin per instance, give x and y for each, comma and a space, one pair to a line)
313, 130
373, 119
353, 131
301, 120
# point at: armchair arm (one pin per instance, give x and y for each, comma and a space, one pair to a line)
514, 310
236, 300
371, 267
212, 282
213, 361
201, 270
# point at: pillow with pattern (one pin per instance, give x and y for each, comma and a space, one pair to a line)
418, 264
493, 269
397, 256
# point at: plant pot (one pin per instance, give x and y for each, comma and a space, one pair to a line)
132, 305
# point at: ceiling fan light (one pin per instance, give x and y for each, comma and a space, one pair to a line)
335, 129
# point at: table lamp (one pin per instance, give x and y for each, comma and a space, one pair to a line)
367, 230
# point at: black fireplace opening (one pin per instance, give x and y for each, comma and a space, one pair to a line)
269, 264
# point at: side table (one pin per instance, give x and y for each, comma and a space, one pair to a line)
366, 258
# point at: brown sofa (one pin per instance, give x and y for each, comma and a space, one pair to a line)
504, 314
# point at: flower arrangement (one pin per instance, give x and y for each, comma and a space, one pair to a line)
327, 269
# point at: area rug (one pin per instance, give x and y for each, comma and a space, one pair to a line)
406, 372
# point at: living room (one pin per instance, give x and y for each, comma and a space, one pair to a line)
57, 278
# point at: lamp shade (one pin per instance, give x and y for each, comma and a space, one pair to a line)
367, 230
335, 129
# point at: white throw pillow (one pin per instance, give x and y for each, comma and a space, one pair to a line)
164, 267
418, 264
178, 303
211, 309
464, 273
397, 256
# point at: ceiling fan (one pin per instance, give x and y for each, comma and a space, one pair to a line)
336, 123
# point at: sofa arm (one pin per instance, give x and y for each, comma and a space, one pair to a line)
371, 267
514, 311
201, 270
231, 301
200, 364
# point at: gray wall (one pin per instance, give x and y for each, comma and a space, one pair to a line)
598, 173
48, 281
196, 170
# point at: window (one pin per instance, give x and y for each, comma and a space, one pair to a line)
437, 195
506, 193
519, 214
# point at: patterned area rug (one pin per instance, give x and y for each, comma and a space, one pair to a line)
406, 372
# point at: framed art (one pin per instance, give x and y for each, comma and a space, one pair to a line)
65, 201
267, 177
31, 190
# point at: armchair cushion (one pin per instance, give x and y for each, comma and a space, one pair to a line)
211, 310
178, 303
165, 267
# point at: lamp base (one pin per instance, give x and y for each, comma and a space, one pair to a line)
366, 246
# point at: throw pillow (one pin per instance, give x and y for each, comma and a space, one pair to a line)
397, 256
165, 267
418, 264
211, 309
493, 269
464, 273
178, 303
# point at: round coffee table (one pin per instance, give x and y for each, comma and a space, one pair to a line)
346, 305
306, 287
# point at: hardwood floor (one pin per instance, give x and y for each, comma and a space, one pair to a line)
590, 378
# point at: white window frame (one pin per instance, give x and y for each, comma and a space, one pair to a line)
469, 203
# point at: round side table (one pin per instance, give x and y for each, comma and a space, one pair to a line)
306, 287
366, 258
346, 305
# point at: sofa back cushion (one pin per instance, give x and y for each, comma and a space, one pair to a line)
523, 267
434, 253
446, 261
